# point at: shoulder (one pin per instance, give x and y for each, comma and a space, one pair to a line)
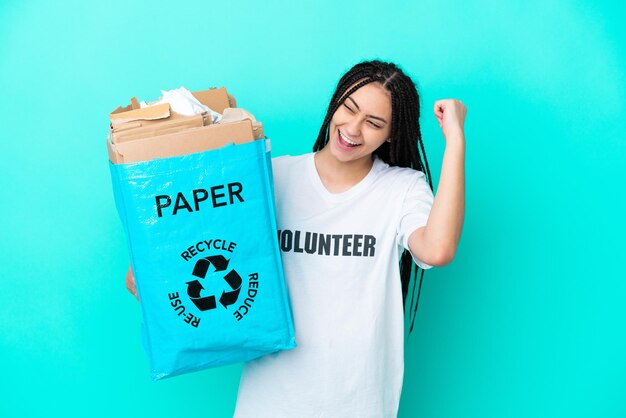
403, 177
288, 162
287, 176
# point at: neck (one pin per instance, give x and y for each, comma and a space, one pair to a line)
342, 173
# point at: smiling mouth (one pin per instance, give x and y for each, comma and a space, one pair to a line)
345, 141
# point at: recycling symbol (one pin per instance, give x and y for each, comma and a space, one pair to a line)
200, 270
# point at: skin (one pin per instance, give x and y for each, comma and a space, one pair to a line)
365, 119
130, 282
436, 243
360, 120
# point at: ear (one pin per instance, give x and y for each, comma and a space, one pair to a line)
389, 140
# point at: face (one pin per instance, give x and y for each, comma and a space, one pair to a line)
361, 124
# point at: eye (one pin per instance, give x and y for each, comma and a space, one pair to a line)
348, 107
374, 125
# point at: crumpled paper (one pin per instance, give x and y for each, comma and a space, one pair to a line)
183, 102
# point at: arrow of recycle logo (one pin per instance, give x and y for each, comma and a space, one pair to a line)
194, 287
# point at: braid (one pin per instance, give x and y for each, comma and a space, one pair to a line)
341, 93
405, 149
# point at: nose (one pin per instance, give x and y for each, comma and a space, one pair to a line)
353, 127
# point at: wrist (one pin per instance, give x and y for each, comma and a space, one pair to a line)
455, 135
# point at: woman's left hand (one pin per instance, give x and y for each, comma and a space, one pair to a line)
437, 242
450, 114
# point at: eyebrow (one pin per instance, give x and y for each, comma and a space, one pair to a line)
370, 116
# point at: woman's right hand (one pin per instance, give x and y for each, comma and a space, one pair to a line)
130, 282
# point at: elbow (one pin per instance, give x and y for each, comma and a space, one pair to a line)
442, 257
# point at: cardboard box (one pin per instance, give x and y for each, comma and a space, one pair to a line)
216, 99
138, 134
148, 128
180, 143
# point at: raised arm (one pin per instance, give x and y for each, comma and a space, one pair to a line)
436, 243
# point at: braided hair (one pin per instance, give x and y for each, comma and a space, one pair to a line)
402, 149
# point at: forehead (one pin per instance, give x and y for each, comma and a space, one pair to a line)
373, 99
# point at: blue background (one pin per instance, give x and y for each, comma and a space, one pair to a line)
527, 321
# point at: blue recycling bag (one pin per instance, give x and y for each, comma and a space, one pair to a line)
201, 231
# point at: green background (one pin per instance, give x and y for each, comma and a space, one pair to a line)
527, 321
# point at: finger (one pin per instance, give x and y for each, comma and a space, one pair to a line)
132, 289
130, 285
440, 110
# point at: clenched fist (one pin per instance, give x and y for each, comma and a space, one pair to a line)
450, 114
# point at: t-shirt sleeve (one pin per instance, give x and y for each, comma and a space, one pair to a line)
415, 211
278, 162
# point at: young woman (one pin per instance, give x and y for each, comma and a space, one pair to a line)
353, 216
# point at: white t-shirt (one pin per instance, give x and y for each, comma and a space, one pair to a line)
340, 254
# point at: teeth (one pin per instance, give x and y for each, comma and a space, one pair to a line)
346, 139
